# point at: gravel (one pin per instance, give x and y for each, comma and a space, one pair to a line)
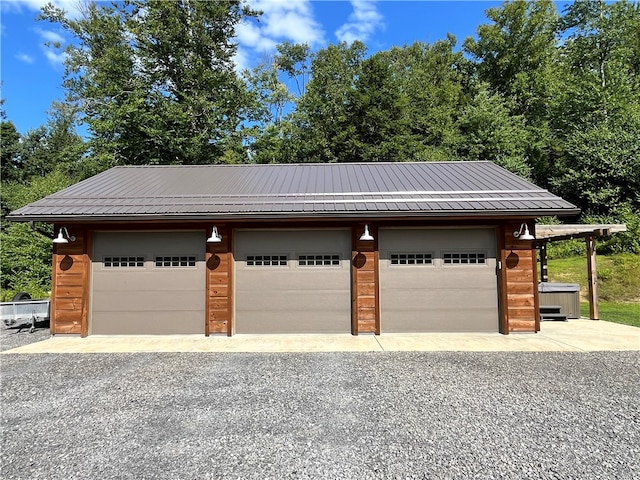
383, 415
17, 336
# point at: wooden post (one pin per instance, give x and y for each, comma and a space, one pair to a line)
592, 277
544, 268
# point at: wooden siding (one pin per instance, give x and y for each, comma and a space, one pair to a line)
219, 302
365, 311
70, 285
519, 283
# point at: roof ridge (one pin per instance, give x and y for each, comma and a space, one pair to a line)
314, 164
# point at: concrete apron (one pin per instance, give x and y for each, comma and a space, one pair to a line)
572, 336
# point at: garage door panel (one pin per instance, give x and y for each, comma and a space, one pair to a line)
165, 293
178, 301
439, 320
293, 298
164, 281
148, 322
437, 295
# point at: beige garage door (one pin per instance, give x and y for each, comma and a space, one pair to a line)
293, 281
441, 280
148, 283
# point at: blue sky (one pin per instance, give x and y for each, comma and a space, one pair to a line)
32, 73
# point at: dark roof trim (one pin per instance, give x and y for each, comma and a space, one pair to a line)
266, 216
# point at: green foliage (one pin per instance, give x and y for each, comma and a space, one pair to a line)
601, 64
25, 261
565, 249
25, 254
9, 151
491, 133
324, 130
628, 241
155, 79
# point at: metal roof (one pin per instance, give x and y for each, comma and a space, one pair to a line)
422, 189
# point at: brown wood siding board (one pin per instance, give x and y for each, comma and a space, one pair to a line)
521, 300
376, 293
231, 297
86, 294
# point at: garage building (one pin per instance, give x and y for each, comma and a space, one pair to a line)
296, 248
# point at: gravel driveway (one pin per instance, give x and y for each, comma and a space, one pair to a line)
321, 415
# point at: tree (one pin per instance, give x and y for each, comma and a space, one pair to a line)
491, 133
293, 59
600, 56
598, 125
602, 167
430, 80
375, 112
9, 151
155, 80
516, 56
25, 254
322, 122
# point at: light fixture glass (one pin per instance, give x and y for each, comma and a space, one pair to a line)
215, 236
64, 237
523, 233
366, 235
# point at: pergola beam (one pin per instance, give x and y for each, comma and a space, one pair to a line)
555, 233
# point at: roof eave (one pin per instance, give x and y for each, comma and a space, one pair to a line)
531, 213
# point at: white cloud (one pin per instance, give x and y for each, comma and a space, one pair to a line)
55, 58
53, 52
49, 36
363, 22
281, 20
23, 57
242, 60
250, 36
72, 7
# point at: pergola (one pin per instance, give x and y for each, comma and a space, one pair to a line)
590, 232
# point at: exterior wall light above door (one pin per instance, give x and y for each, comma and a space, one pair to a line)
64, 237
523, 233
215, 236
366, 235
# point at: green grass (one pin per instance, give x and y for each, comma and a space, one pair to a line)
627, 313
618, 285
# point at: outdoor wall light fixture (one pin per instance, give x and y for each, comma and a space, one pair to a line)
366, 235
64, 237
523, 233
215, 236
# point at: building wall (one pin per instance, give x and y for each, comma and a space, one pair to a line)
517, 275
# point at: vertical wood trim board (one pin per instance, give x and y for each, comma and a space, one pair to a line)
365, 310
71, 285
219, 285
520, 282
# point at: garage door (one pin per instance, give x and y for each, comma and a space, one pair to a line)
441, 280
148, 283
293, 281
